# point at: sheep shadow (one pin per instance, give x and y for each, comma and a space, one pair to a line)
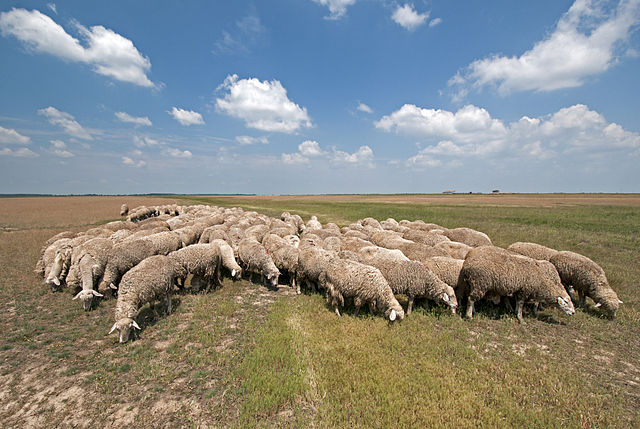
149, 317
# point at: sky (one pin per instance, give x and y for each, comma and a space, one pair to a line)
319, 96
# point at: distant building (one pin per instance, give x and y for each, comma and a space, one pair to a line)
495, 191
449, 191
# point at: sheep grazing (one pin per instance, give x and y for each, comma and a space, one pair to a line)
284, 255
202, 261
256, 259
164, 243
121, 258
489, 270
532, 250
88, 262
468, 236
414, 280
124, 210
588, 279
344, 279
40, 265
149, 281
448, 270
312, 261
454, 249
228, 259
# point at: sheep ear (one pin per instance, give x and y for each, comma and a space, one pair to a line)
113, 328
620, 302
135, 325
112, 286
96, 293
77, 295
392, 315
56, 281
445, 297
598, 305
233, 273
560, 300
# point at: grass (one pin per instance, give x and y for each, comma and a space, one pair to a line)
245, 356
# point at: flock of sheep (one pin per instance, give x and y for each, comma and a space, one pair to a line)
143, 258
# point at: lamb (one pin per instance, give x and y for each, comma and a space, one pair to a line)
344, 279
149, 281
202, 261
124, 210
532, 250
489, 270
588, 279
88, 262
285, 256
227, 258
468, 236
256, 259
414, 280
454, 249
121, 258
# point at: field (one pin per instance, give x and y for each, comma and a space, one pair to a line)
246, 356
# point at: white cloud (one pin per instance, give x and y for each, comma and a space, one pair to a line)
363, 156
23, 152
59, 148
262, 105
247, 32
177, 153
66, 121
130, 162
146, 142
408, 17
435, 22
472, 132
311, 149
586, 42
11, 136
52, 7
294, 158
136, 120
248, 140
109, 53
186, 117
364, 108
337, 8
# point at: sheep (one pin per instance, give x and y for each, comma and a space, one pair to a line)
414, 280
164, 243
256, 259
368, 252
312, 261
284, 255
149, 281
202, 261
468, 236
62, 261
420, 225
352, 256
293, 240
363, 283
333, 244
419, 251
88, 262
121, 258
430, 238
448, 270
588, 279
212, 233
227, 258
313, 223
356, 234
369, 221
354, 244
49, 256
454, 249
532, 250
257, 232
124, 210
40, 265
492, 270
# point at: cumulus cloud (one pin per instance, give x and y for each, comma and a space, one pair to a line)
11, 136
337, 8
106, 51
248, 140
472, 132
586, 42
177, 153
364, 108
186, 117
146, 142
246, 33
23, 152
310, 149
263, 105
66, 121
59, 148
133, 163
138, 121
408, 17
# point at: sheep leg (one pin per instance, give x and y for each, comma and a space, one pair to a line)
507, 304
469, 308
410, 305
335, 308
535, 309
519, 305
168, 304
582, 299
357, 302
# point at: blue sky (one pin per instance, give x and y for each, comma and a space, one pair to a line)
319, 96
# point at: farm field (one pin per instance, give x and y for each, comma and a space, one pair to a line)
247, 356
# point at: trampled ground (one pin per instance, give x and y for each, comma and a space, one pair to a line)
247, 356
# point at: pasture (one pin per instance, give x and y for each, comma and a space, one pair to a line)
246, 356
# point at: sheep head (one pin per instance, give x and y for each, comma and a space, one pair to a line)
236, 273
124, 327
394, 312
86, 297
448, 297
272, 277
565, 304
